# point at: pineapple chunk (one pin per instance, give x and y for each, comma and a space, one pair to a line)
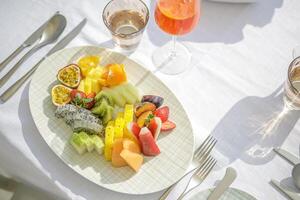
96, 87
119, 126
109, 140
95, 73
88, 85
81, 86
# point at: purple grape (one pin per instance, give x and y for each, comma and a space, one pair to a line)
156, 100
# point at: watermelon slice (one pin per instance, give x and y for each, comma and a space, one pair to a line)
149, 147
154, 126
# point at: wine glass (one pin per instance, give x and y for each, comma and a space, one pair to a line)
175, 17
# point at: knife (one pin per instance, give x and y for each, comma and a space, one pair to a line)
227, 180
287, 155
61, 44
28, 42
291, 195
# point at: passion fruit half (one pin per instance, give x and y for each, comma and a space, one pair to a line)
61, 95
69, 76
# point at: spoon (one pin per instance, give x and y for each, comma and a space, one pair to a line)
53, 29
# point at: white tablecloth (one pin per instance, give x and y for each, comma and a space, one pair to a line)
232, 89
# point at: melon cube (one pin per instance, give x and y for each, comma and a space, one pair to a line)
131, 146
116, 159
134, 160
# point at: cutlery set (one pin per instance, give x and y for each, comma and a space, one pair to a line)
205, 164
292, 159
46, 34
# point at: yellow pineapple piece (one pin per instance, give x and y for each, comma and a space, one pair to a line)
109, 140
96, 87
88, 85
119, 126
81, 85
128, 113
95, 73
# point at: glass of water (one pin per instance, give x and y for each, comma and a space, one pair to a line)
292, 84
126, 20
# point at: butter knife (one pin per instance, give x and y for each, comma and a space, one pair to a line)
226, 181
287, 155
291, 195
61, 44
28, 42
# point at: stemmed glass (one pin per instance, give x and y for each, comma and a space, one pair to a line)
175, 17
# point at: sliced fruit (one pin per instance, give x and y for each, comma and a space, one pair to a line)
168, 125
131, 132
128, 113
154, 126
131, 146
98, 143
81, 85
86, 63
69, 76
78, 142
143, 117
109, 139
116, 159
116, 74
95, 73
149, 146
143, 107
100, 109
162, 113
61, 95
108, 114
119, 125
104, 95
134, 160
88, 85
156, 100
96, 86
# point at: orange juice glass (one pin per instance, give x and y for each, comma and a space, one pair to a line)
175, 17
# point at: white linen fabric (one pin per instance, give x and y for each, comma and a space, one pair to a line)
232, 89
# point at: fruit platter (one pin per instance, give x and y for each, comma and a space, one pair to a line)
111, 120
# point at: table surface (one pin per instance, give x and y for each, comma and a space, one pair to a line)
232, 89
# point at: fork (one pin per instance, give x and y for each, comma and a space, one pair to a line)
201, 153
200, 174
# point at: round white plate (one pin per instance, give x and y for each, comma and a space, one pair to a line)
157, 173
230, 194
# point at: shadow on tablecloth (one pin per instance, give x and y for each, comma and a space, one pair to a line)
253, 127
220, 22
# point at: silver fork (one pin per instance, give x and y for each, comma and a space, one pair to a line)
200, 155
200, 174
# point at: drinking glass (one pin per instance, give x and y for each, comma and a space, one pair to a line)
126, 21
175, 17
292, 84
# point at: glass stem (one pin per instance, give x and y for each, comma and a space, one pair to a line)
173, 52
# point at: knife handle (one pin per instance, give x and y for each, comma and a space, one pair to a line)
14, 88
11, 56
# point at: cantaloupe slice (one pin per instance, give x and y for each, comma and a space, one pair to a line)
131, 146
134, 160
116, 159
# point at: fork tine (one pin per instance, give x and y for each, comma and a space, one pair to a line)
203, 146
206, 151
208, 170
204, 164
200, 147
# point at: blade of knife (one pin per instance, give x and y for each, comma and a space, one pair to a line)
287, 155
68, 38
291, 195
61, 44
37, 34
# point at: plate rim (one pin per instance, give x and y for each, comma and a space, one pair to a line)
146, 70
